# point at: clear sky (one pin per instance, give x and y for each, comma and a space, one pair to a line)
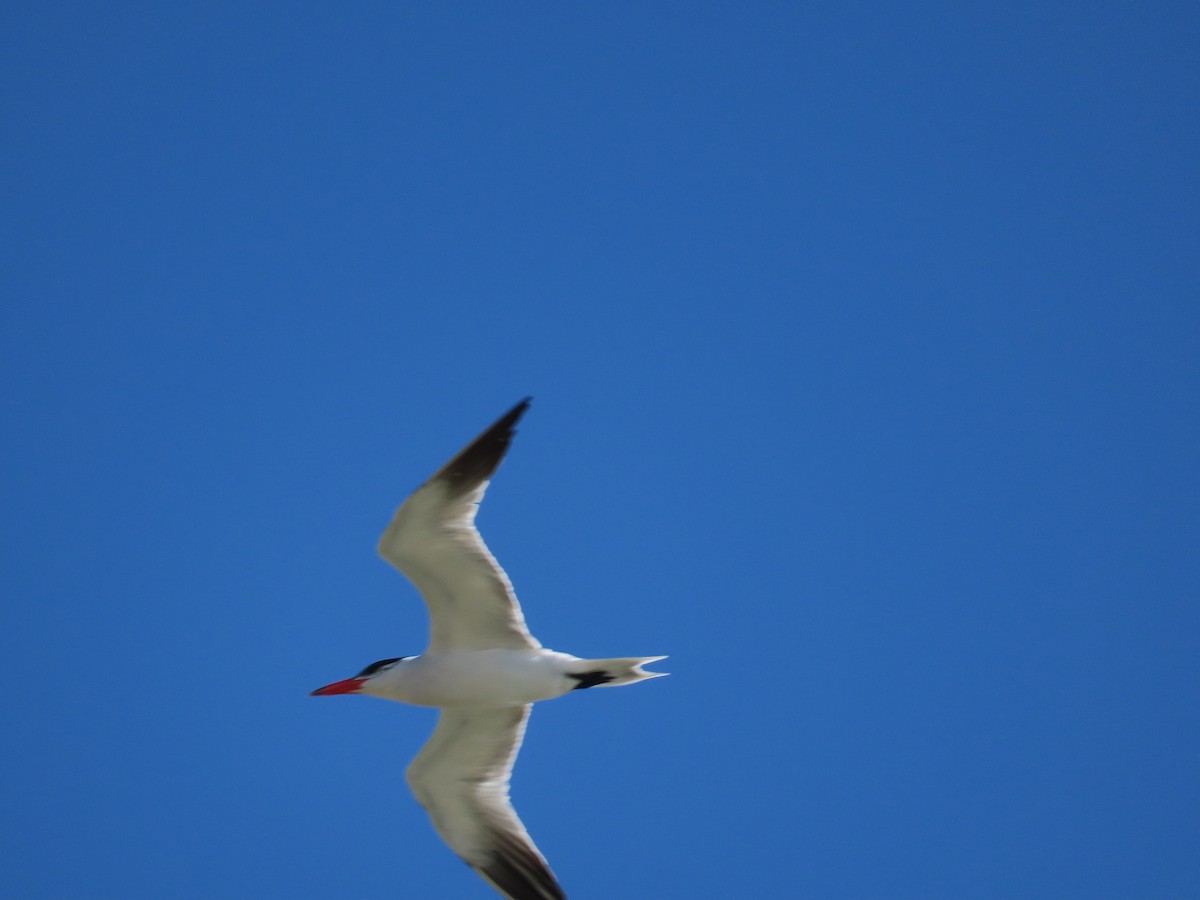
863, 342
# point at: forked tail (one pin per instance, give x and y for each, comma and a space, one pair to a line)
612, 672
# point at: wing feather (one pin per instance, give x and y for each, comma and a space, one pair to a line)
433, 540
461, 777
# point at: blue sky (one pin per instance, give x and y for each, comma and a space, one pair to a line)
863, 343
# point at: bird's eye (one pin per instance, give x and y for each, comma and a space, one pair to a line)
376, 666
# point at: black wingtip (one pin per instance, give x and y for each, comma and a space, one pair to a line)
507, 421
478, 460
519, 871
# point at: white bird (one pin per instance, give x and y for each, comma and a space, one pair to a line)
482, 668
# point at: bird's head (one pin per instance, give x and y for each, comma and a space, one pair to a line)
355, 685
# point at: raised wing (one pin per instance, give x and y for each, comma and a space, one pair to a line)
432, 539
461, 778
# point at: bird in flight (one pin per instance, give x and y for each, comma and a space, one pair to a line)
482, 669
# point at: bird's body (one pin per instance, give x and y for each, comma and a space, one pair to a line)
481, 677
482, 668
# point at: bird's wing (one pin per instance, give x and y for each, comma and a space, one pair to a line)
432, 539
461, 778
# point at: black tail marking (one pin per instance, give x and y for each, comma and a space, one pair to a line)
590, 679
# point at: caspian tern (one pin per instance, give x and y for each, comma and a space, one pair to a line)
482, 668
